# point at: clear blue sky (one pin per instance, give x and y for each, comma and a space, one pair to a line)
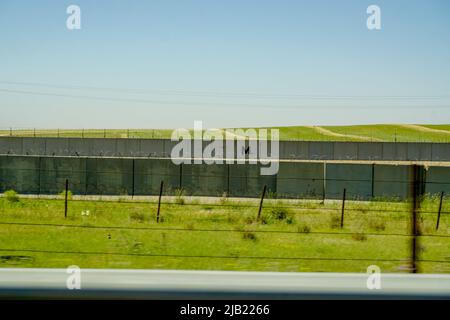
230, 63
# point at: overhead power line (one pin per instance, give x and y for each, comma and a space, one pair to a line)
231, 94
183, 103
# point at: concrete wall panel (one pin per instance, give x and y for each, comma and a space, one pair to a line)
168, 145
103, 147
355, 178
11, 145
80, 147
437, 180
313, 150
300, 180
41, 175
389, 152
419, 151
440, 151
19, 173
109, 176
152, 148
391, 181
127, 147
54, 172
246, 181
289, 150
370, 151
395, 151
203, 179
148, 174
321, 151
345, 151
32, 146
401, 151
57, 147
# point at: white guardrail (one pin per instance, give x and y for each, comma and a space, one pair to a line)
172, 284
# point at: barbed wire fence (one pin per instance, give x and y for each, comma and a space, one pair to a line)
411, 211
132, 133
83, 133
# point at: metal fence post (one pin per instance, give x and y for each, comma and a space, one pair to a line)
228, 180
439, 211
261, 202
417, 190
181, 177
159, 200
324, 182
343, 208
132, 179
65, 198
39, 177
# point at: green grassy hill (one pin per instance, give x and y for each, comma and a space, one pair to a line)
379, 132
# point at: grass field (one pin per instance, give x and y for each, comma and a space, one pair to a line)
395, 133
220, 235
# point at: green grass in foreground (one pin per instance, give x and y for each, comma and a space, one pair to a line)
392, 132
140, 242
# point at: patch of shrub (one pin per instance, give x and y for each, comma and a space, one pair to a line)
304, 229
165, 217
179, 196
266, 219
11, 196
359, 237
290, 219
377, 225
272, 195
224, 198
249, 220
247, 235
232, 218
62, 194
190, 226
280, 213
137, 216
335, 222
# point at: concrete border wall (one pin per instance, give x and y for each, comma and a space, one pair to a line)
301, 180
355, 178
136, 176
301, 150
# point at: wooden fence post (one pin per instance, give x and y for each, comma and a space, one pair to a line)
343, 208
261, 202
159, 200
439, 211
65, 198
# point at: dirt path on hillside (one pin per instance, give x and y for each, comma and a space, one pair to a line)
327, 132
424, 129
232, 135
